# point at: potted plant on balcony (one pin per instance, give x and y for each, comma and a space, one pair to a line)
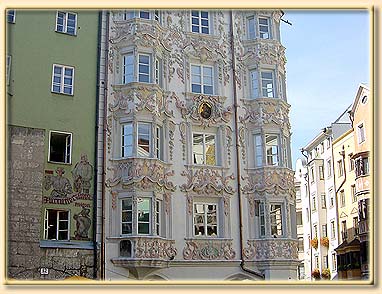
325, 274
314, 243
316, 274
325, 242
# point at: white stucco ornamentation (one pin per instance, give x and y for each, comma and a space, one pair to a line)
217, 249
154, 248
259, 250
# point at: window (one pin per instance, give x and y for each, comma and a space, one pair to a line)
264, 27
307, 214
323, 200
298, 195
127, 140
62, 79
361, 166
146, 71
300, 244
144, 68
325, 261
328, 143
202, 79
11, 16
144, 215
158, 142
329, 167
258, 150
299, 218
334, 262
60, 147
254, 84
340, 168
316, 261
271, 148
267, 84
125, 248
315, 231
158, 71
142, 14
333, 229
312, 175
144, 140
322, 147
128, 68
331, 198
351, 162
199, 22
251, 28
314, 206
261, 215
324, 230
344, 230
205, 220
8, 69
361, 133
342, 198
321, 171
158, 212
276, 219
204, 149
127, 216
56, 224
355, 226
353, 195
66, 22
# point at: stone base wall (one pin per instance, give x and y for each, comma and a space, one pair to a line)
26, 159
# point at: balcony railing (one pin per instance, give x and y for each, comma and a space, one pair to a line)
271, 249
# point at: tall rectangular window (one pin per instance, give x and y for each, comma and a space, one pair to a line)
251, 28
271, 148
60, 147
128, 68
144, 68
56, 224
127, 216
356, 226
325, 260
254, 84
322, 149
66, 22
329, 167
315, 231
143, 215
200, 22
334, 262
314, 205
324, 230
299, 218
361, 166
361, 133
204, 149
300, 244
264, 27
158, 217
261, 219
312, 175
62, 79
342, 198
351, 162
127, 140
340, 168
321, 171
333, 230
258, 150
158, 71
267, 84
205, 220
323, 200
144, 140
316, 261
344, 230
276, 219
331, 198
353, 195
158, 142
11, 16
202, 79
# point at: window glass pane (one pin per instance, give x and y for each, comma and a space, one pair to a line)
126, 228
204, 14
144, 14
263, 21
57, 70
197, 149
67, 81
266, 75
205, 22
195, 29
195, 13
205, 30
276, 219
195, 70
145, 59
208, 90
195, 21
251, 28
144, 139
210, 149
67, 90
196, 88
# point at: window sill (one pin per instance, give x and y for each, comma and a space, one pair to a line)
196, 166
68, 34
60, 93
66, 244
63, 163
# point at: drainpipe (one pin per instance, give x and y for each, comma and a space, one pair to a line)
102, 264
342, 153
252, 272
310, 215
95, 172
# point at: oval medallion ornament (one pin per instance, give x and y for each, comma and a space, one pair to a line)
205, 110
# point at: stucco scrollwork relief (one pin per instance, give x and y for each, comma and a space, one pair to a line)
155, 248
258, 250
242, 135
183, 136
228, 136
208, 250
203, 182
190, 109
268, 181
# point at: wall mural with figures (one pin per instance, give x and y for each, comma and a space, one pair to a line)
70, 188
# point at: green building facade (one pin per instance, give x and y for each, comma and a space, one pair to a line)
52, 59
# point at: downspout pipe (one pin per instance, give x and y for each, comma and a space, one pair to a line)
310, 205
242, 265
95, 172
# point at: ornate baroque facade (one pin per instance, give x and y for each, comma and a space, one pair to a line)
197, 145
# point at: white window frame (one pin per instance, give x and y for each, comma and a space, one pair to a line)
329, 166
331, 198
334, 262
149, 125
68, 145
58, 220
199, 18
202, 79
149, 65
62, 77
324, 229
323, 200
251, 25
158, 217
123, 135
158, 140
127, 211
361, 133
342, 198
270, 157
268, 26
256, 81
340, 167
150, 216
281, 219
11, 16
128, 67
131, 68
204, 148
255, 84
65, 23
259, 153
332, 229
205, 219
131, 14
8, 69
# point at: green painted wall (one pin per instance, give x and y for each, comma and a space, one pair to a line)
35, 47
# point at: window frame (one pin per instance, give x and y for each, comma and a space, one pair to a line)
342, 198
205, 219
8, 68
332, 230
202, 79
361, 133
150, 144
281, 219
131, 68
11, 16
340, 168
149, 222
66, 147
58, 220
268, 26
65, 23
323, 200
123, 146
199, 24
62, 76
204, 148
127, 211
329, 165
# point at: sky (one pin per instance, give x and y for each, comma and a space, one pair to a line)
327, 55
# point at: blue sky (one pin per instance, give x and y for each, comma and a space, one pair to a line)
327, 55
